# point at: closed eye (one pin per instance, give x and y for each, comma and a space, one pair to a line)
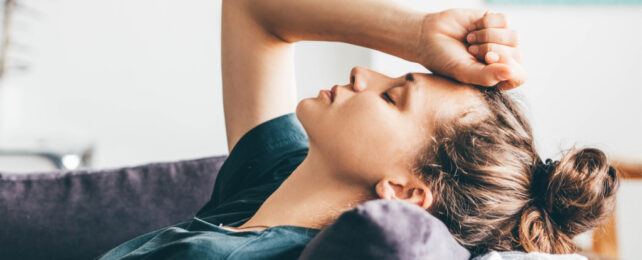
387, 98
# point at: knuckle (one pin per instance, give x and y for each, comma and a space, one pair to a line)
486, 47
462, 73
509, 86
483, 36
502, 18
501, 37
497, 36
514, 36
490, 82
508, 40
458, 73
443, 14
515, 83
486, 21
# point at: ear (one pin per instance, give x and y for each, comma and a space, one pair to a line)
413, 191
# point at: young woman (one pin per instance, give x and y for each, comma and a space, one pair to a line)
464, 153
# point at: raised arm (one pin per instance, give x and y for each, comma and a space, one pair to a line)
258, 69
257, 58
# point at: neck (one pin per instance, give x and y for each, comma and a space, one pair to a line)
310, 197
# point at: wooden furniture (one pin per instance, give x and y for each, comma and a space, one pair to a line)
605, 244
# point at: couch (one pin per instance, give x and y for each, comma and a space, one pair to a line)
82, 214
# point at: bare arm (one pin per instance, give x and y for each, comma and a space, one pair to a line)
258, 69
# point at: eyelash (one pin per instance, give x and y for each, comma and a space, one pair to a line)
387, 98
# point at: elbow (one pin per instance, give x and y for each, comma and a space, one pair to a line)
255, 13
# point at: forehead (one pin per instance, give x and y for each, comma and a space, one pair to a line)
441, 97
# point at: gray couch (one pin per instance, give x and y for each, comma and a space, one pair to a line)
81, 214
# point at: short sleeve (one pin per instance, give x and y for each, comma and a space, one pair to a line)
257, 165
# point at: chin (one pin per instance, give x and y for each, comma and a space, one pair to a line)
311, 108
305, 112
302, 109
311, 115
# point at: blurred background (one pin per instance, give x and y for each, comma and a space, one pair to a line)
88, 83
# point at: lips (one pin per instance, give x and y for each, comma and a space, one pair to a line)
334, 92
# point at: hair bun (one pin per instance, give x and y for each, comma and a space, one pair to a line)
581, 191
570, 197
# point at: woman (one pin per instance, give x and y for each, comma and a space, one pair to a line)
464, 153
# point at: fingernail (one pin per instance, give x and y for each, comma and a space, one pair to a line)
492, 57
471, 38
473, 49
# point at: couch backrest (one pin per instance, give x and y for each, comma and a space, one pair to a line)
81, 214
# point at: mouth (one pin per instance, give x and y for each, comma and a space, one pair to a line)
326, 93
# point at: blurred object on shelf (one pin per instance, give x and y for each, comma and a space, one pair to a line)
12, 51
46, 155
17, 18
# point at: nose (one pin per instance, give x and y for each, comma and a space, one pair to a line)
362, 78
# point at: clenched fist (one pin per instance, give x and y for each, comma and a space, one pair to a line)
472, 46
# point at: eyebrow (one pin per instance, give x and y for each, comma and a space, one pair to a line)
409, 77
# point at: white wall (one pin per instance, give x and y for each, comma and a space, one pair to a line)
584, 64
141, 79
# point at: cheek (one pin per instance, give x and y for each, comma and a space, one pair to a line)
365, 137
362, 137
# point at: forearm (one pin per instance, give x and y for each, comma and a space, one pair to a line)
257, 59
377, 24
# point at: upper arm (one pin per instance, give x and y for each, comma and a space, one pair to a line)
258, 72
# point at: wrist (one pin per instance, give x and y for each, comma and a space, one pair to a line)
423, 41
411, 38
397, 32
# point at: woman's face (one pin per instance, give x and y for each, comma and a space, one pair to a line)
378, 131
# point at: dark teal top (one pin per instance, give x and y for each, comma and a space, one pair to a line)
262, 159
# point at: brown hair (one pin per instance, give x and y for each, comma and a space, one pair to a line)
494, 192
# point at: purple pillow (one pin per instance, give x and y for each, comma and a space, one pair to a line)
385, 229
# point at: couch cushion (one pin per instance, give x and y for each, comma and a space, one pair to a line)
385, 229
81, 214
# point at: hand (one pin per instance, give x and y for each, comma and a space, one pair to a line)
473, 47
